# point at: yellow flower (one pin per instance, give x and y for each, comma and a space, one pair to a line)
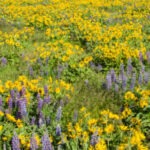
109, 128
19, 123
10, 117
123, 127
57, 90
127, 111
129, 96
1, 127
137, 137
4, 138
1, 114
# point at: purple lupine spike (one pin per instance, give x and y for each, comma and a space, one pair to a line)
59, 70
99, 67
140, 78
41, 119
15, 142
40, 105
92, 65
129, 67
124, 82
3, 61
148, 56
22, 91
33, 143
45, 90
18, 95
58, 130
12, 94
59, 113
38, 97
141, 56
94, 139
33, 121
75, 116
1, 103
30, 71
46, 60
146, 77
22, 107
46, 144
133, 80
123, 77
48, 120
47, 99
113, 75
142, 68
10, 103
108, 81
116, 87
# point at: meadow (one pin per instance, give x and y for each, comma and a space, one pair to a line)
74, 75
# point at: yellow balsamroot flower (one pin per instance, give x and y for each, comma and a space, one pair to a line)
130, 96
144, 101
57, 90
10, 117
2, 89
101, 145
78, 129
113, 116
123, 127
1, 127
137, 137
19, 123
142, 147
92, 122
127, 112
1, 114
109, 128
122, 147
4, 138
37, 138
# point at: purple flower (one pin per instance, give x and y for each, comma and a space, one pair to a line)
129, 67
94, 139
40, 105
108, 81
133, 80
46, 144
3, 61
48, 120
141, 56
140, 78
30, 71
45, 90
1, 103
148, 56
58, 130
47, 99
146, 77
15, 142
116, 88
59, 113
75, 116
41, 119
22, 107
113, 75
22, 91
33, 121
10, 103
33, 143
12, 94
99, 67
